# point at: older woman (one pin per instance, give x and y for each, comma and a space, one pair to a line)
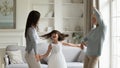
94, 40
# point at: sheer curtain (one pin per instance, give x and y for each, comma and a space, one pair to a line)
115, 9
89, 3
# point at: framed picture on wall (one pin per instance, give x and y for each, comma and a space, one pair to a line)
7, 14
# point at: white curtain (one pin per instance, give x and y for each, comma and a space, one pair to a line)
89, 3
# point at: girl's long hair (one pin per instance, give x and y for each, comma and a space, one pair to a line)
32, 20
61, 36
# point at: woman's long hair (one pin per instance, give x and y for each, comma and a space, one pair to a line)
61, 36
32, 20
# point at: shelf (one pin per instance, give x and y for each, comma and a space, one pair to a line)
67, 14
72, 17
47, 17
73, 31
73, 1
42, 1
71, 4
44, 4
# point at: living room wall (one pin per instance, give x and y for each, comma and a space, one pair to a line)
16, 36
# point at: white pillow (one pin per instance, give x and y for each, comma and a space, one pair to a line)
15, 57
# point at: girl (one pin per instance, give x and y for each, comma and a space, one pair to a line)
56, 59
32, 39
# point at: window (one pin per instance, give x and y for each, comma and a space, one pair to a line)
115, 9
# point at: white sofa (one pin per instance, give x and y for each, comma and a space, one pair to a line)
73, 56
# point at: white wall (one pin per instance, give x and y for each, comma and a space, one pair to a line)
22, 9
15, 36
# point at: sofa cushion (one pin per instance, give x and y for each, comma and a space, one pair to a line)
82, 55
15, 57
15, 48
42, 49
71, 53
22, 48
12, 48
69, 65
17, 66
74, 65
22, 66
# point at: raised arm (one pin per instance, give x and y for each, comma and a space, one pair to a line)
101, 25
98, 16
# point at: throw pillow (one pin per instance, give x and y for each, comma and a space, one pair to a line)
15, 57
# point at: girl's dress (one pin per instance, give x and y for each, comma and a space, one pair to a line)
57, 59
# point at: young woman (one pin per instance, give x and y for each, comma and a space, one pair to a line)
32, 39
56, 58
94, 40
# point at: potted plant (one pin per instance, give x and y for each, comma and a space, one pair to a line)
77, 36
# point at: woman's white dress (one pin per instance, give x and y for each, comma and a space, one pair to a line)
57, 59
